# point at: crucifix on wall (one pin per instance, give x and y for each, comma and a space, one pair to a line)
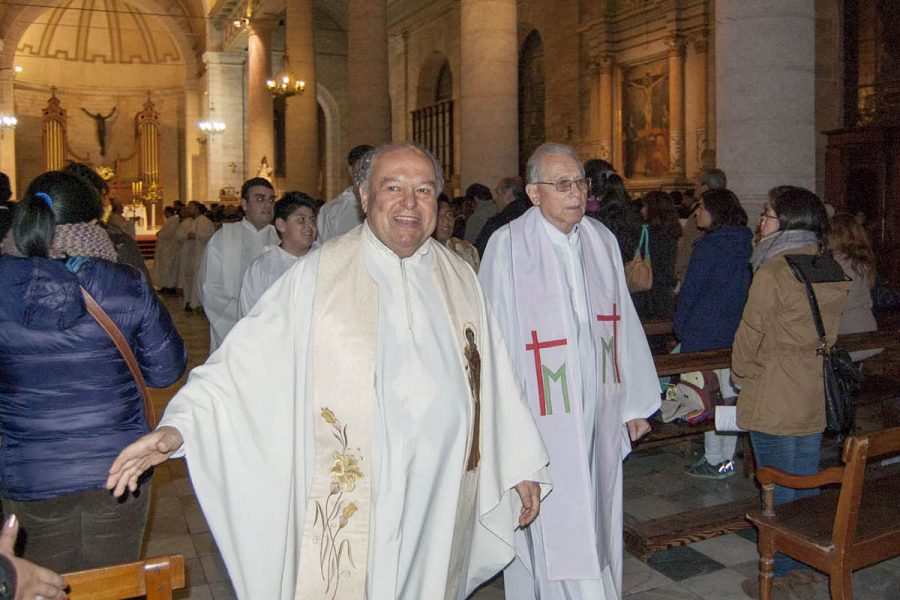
100, 122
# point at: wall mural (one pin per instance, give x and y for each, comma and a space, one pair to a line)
645, 118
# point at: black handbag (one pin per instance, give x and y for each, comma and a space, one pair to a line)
842, 377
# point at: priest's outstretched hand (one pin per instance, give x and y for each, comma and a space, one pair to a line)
638, 428
148, 451
530, 493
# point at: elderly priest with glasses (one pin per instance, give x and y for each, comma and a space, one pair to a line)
361, 433
556, 283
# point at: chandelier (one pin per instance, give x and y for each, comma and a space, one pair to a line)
8, 121
286, 86
210, 126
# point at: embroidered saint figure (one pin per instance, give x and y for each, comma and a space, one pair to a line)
473, 371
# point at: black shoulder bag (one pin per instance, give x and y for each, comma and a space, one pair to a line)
842, 377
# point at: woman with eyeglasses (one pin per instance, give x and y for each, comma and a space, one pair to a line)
774, 359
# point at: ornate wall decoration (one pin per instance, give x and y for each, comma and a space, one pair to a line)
645, 119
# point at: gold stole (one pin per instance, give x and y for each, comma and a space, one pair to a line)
334, 551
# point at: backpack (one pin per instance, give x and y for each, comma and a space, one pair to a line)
699, 391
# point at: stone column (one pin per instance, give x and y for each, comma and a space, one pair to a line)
765, 96
369, 106
701, 114
189, 187
8, 137
606, 108
224, 102
260, 124
676, 105
301, 118
488, 111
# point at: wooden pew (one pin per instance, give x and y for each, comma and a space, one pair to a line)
153, 577
838, 531
675, 364
644, 538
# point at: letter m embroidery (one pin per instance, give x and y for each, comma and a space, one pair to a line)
560, 376
544, 375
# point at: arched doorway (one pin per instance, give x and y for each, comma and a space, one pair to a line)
531, 97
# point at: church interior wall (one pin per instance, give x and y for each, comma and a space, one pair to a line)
399, 83
574, 35
423, 45
331, 74
829, 80
558, 24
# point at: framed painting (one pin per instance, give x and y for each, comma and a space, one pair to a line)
645, 119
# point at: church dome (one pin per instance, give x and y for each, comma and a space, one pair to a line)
99, 43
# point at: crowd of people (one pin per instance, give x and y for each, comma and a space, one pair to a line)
406, 392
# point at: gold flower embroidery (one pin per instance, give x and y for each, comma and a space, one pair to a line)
348, 512
328, 416
345, 471
344, 474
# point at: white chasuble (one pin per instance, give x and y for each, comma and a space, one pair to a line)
337, 420
595, 365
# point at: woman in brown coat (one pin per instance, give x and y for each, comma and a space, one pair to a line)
774, 360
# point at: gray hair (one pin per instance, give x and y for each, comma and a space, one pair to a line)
713, 179
510, 183
534, 163
367, 162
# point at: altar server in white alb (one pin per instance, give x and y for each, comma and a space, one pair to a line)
194, 232
556, 283
167, 252
361, 433
230, 252
295, 222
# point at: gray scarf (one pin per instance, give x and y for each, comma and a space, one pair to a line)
780, 241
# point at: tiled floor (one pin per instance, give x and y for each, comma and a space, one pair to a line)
654, 487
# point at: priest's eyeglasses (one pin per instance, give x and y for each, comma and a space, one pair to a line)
564, 185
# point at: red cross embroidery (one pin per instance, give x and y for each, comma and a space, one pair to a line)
537, 346
615, 318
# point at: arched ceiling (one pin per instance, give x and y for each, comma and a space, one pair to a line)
109, 32
99, 31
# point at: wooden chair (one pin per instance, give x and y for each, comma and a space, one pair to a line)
153, 577
840, 530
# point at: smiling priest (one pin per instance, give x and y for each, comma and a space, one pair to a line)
361, 433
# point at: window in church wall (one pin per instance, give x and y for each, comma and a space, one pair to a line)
645, 119
433, 125
531, 98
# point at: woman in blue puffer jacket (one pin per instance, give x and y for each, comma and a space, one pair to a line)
710, 305
68, 403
